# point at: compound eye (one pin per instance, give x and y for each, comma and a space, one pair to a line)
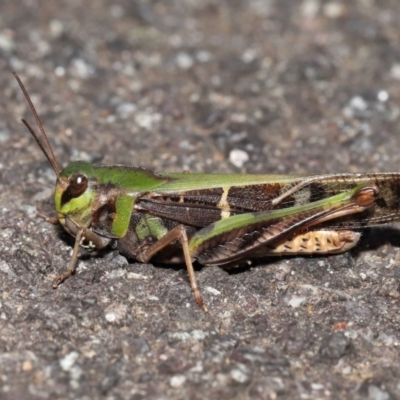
77, 185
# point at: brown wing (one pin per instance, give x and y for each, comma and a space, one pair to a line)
202, 207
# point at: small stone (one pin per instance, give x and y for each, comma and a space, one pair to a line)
69, 360
376, 393
296, 301
27, 366
184, 61
203, 56
133, 276
238, 157
241, 374
310, 8
117, 262
334, 10
383, 96
4, 267
124, 110
115, 312
394, 294
177, 381
335, 346
4, 136
117, 273
56, 28
6, 42
212, 290
147, 120
81, 68
59, 71
395, 72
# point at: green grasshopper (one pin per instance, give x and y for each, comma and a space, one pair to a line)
214, 219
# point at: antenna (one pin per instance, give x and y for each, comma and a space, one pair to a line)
49, 154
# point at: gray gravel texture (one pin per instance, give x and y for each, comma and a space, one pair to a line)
214, 86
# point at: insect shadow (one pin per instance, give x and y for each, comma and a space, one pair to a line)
371, 239
378, 236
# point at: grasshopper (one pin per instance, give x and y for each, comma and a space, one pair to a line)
214, 219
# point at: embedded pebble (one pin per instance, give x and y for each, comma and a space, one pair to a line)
69, 360
238, 157
184, 61
115, 312
177, 381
